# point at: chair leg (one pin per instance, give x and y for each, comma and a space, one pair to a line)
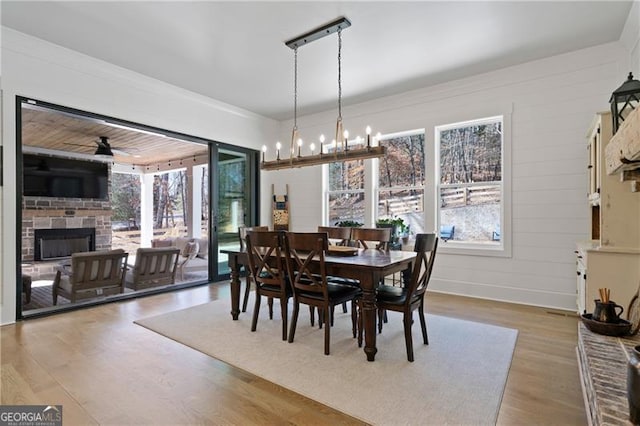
294, 320
381, 313
360, 323
407, 335
256, 311
327, 330
312, 315
270, 303
354, 318
283, 309
423, 323
247, 289
344, 307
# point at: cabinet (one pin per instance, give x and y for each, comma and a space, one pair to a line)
611, 258
606, 267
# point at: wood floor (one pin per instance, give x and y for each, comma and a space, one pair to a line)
104, 369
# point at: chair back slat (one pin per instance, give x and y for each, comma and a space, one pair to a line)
242, 234
338, 234
266, 261
425, 247
374, 237
302, 248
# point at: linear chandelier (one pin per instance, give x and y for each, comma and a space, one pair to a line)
341, 149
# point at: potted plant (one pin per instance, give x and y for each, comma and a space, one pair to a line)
398, 228
349, 224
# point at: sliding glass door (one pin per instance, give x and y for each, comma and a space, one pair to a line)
234, 201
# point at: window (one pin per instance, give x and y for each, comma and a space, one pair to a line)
346, 196
470, 191
401, 179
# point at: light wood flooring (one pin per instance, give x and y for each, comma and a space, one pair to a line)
104, 369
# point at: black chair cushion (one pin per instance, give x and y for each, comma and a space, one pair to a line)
337, 293
392, 295
343, 281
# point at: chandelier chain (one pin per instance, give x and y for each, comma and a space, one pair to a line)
295, 88
340, 73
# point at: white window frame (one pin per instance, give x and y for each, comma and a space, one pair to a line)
503, 248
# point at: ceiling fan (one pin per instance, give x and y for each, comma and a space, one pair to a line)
105, 150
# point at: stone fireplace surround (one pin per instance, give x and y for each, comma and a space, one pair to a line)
50, 213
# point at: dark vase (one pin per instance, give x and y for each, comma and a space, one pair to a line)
633, 385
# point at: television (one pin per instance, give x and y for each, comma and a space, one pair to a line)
45, 176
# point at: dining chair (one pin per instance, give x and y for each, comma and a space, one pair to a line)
305, 251
381, 237
338, 235
410, 297
242, 236
269, 272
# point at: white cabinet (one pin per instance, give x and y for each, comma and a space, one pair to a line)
611, 259
605, 267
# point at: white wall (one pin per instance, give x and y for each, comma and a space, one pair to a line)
43, 71
553, 102
630, 38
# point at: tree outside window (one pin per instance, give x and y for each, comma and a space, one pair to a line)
346, 197
470, 190
401, 180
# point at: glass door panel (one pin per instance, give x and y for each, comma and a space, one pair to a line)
234, 202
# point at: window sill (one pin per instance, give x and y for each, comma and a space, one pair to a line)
470, 249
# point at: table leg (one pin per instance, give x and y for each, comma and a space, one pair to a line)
369, 313
235, 286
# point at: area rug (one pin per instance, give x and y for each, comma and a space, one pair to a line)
458, 378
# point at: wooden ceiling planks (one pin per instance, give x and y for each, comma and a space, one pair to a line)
72, 134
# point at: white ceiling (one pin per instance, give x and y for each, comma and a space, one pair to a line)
234, 51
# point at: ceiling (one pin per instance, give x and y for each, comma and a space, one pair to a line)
53, 132
234, 51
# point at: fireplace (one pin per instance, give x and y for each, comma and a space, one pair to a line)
62, 242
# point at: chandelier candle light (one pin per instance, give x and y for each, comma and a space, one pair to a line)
359, 152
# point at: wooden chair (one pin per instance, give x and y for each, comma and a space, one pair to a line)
411, 297
381, 237
447, 232
311, 287
268, 269
153, 267
338, 235
92, 274
242, 236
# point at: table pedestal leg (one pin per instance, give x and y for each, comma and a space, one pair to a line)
235, 287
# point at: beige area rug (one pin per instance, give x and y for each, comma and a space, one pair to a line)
458, 379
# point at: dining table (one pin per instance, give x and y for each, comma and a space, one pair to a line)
368, 266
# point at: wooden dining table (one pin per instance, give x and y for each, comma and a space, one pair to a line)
369, 267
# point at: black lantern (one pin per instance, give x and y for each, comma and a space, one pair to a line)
624, 100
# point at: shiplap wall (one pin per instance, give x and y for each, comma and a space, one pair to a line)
553, 102
44, 71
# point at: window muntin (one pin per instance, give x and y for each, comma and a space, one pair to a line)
470, 188
401, 179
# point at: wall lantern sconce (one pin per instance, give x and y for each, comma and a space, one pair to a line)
623, 100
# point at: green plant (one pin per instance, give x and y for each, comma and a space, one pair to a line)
349, 224
399, 227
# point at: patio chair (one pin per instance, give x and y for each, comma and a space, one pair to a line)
447, 232
91, 274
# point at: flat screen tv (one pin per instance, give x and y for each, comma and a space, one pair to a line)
45, 176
